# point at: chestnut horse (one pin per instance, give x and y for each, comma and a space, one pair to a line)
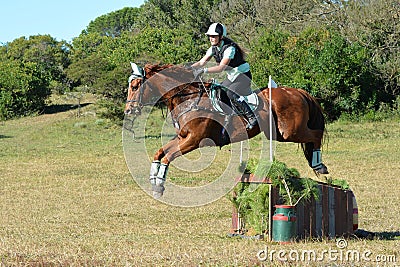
297, 117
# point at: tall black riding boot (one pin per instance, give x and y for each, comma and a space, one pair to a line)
244, 108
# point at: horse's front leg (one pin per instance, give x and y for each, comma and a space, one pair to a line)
159, 167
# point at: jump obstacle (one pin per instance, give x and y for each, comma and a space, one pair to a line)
335, 213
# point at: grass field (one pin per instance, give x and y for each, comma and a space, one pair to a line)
68, 199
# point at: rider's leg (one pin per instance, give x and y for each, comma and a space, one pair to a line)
244, 108
238, 88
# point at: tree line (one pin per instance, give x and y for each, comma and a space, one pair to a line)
345, 53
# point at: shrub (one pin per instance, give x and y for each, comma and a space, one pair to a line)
23, 89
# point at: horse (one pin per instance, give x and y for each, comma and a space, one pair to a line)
297, 117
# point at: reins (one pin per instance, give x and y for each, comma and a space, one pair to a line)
202, 89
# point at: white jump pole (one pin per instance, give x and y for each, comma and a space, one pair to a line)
271, 158
241, 152
271, 84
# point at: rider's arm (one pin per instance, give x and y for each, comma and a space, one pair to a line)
229, 54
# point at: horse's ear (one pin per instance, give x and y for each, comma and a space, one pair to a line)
137, 71
149, 68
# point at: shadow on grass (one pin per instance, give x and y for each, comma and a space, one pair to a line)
4, 136
52, 109
388, 235
363, 234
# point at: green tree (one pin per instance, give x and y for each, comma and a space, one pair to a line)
30, 69
50, 55
375, 24
319, 61
23, 89
244, 18
192, 16
115, 23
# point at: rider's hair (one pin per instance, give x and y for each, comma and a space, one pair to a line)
237, 46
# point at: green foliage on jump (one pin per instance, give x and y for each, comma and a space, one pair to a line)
338, 182
252, 200
252, 203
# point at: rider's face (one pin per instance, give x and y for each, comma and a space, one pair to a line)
214, 39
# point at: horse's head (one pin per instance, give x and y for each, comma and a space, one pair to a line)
141, 90
135, 81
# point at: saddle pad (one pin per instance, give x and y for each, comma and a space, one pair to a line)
215, 100
252, 99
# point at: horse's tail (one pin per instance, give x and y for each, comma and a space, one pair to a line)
316, 121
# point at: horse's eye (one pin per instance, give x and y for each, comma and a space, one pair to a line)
135, 87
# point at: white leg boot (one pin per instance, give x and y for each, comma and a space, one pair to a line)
158, 187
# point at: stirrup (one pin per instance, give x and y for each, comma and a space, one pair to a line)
251, 123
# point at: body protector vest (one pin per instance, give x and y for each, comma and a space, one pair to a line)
237, 59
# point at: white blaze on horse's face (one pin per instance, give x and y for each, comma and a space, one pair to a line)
132, 100
135, 81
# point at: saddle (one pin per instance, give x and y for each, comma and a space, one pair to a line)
222, 104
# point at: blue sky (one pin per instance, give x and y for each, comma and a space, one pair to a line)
62, 20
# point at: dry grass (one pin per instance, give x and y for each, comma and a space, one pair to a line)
68, 199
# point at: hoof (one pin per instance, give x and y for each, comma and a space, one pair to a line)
158, 191
322, 170
157, 195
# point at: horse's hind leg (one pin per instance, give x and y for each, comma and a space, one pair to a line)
313, 155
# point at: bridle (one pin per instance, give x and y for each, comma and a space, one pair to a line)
140, 87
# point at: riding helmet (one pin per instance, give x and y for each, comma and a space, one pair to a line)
217, 29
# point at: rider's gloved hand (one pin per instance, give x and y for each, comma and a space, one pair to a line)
198, 72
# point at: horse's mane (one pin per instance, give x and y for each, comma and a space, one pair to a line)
152, 69
178, 72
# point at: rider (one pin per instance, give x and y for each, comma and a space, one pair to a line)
230, 58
